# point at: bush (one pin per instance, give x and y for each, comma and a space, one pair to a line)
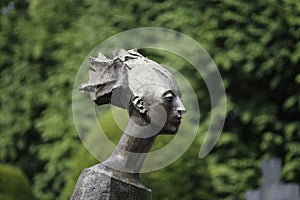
13, 184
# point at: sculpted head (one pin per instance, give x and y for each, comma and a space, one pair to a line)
147, 90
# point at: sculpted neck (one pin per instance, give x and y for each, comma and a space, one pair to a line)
131, 151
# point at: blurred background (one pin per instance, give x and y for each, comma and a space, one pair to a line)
256, 46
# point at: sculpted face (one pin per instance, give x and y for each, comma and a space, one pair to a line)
174, 108
156, 90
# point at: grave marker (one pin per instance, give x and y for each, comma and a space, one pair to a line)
272, 188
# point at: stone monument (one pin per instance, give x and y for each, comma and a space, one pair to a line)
152, 98
272, 188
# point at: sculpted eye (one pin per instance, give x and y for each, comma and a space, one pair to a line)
169, 96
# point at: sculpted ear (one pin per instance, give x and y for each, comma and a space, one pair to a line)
138, 104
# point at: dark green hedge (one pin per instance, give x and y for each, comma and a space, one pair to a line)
14, 185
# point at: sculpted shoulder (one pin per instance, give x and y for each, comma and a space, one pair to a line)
100, 183
92, 185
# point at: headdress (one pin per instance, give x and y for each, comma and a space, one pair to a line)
108, 75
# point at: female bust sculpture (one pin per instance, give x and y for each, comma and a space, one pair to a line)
153, 100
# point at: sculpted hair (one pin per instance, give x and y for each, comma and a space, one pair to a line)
108, 77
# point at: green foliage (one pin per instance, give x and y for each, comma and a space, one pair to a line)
13, 184
188, 178
255, 45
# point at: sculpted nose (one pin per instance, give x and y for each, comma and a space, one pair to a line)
180, 107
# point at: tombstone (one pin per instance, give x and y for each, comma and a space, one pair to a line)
272, 188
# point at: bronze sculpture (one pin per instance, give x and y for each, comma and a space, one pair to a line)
153, 100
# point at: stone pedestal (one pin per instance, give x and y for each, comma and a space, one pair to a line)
102, 183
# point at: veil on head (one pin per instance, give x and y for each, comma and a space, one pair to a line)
108, 76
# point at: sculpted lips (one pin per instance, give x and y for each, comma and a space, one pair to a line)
176, 120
